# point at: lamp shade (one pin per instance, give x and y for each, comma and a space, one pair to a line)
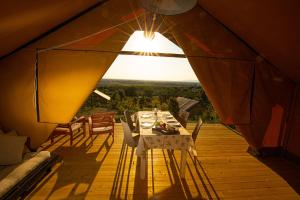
168, 7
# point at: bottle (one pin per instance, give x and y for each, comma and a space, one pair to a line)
155, 114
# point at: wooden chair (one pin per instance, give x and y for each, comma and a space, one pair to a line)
70, 128
195, 134
102, 122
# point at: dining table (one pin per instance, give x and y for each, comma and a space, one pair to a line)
161, 130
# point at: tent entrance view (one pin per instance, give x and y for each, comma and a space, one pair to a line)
244, 90
246, 62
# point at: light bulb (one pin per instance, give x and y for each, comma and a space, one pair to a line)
149, 35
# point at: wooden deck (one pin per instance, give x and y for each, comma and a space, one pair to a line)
103, 169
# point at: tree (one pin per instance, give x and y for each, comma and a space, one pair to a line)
155, 102
142, 102
148, 92
164, 107
130, 91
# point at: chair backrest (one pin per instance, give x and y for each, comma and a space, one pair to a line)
128, 135
197, 129
183, 117
102, 119
129, 120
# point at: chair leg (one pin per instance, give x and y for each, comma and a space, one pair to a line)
195, 156
84, 129
71, 138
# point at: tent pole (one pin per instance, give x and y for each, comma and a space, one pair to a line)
36, 76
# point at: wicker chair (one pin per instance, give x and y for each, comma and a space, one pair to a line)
195, 134
197, 129
183, 118
131, 139
132, 125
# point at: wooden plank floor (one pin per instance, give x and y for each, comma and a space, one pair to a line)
106, 169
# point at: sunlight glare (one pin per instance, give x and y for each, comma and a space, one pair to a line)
159, 44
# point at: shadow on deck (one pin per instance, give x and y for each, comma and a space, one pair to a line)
101, 168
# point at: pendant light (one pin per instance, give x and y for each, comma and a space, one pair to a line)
168, 7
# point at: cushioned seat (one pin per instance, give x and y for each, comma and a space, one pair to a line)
69, 129
102, 129
11, 175
101, 122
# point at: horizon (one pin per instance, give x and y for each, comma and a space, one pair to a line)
120, 79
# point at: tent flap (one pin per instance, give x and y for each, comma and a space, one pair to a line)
66, 78
271, 98
228, 86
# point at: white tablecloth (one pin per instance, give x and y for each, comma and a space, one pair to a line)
151, 140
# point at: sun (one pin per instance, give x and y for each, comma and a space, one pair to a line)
154, 44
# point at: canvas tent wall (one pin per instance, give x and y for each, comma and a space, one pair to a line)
245, 89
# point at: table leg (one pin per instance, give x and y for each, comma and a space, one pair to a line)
143, 166
183, 163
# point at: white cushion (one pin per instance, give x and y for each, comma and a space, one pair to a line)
11, 148
11, 175
76, 126
62, 129
102, 129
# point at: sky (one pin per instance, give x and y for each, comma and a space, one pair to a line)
137, 67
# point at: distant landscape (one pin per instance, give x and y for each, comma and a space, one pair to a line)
137, 95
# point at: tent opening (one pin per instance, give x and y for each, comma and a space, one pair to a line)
157, 75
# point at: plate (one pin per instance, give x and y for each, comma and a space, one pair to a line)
174, 123
147, 124
146, 115
171, 121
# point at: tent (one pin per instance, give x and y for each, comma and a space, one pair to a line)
244, 53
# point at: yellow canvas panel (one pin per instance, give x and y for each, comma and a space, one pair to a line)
66, 79
17, 102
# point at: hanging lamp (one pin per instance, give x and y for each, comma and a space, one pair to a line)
168, 7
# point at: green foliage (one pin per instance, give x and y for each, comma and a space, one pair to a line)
155, 102
164, 107
138, 95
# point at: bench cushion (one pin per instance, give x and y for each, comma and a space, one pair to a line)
12, 174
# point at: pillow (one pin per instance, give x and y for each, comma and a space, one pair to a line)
14, 133
11, 149
11, 133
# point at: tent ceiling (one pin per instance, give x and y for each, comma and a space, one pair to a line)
272, 28
22, 21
